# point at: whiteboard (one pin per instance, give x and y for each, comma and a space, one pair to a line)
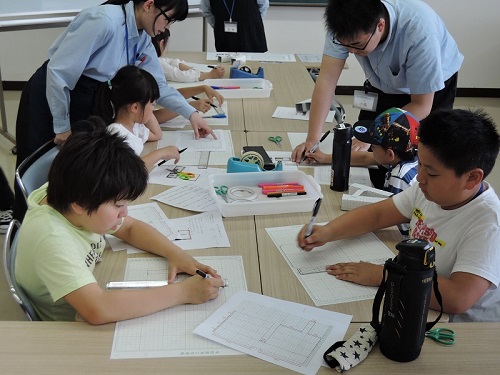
44, 7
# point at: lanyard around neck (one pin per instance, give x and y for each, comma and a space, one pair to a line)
230, 12
126, 40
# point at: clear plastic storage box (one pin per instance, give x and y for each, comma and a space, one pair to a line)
263, 205
248, 87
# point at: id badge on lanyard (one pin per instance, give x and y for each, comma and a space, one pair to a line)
230, 26
365, 100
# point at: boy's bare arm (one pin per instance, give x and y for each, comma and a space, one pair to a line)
460, 292
145, 237
98, 306
353, 223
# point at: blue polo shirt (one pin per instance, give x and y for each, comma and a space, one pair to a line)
417, 57
95, 45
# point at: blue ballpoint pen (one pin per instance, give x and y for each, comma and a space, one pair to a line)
317, 205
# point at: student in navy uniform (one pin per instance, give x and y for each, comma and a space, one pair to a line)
238, 24
98, 42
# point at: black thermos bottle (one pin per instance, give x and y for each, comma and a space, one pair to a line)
341, 157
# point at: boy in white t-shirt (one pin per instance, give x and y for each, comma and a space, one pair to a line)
451, 206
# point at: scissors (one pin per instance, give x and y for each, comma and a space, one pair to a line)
222, 191
276, 140
186, 175
444, 336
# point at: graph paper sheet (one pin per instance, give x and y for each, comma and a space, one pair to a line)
285, 333
169, 333
192, 155
309, 266
185, 139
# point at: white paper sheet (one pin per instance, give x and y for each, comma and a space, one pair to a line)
286, 159
201, 231
151, 214
292, 114
358, 175
179, 122
313, 58
263, 57
287, 334
163, 175
309, 267
188, 197
192, 156
185, 139
168, 333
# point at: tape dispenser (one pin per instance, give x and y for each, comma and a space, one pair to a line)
253, 159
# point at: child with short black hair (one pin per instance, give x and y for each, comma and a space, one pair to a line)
126, 103
90, 184
451, 206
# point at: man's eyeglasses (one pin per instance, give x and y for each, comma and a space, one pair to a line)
336, 41
162, 12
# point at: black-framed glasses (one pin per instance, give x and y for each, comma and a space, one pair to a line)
336, 41
162, 12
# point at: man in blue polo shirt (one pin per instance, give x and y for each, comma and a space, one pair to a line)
409, 59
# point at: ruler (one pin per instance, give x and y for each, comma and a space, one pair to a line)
311, 270
203, 161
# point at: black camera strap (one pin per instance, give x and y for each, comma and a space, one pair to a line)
375, 323
429, 325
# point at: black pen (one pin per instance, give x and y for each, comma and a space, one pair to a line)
164, 161
212, 66
207, 276
279, 195
317, 205
315, 147
196, 98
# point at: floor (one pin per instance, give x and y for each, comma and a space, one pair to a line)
10, 311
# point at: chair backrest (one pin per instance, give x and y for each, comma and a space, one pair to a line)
9, 262
34, 170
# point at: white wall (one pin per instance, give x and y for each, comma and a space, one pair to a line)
474, 26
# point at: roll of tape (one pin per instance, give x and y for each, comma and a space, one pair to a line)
241, 193
253, 158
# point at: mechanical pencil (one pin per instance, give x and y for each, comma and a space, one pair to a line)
207, 276
196, 98
317, 205
164, 161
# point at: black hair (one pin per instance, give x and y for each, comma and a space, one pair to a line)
93, 123
405, 156
345, 19
155, 40
93, 168
180, 7
461, 139
130, 85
